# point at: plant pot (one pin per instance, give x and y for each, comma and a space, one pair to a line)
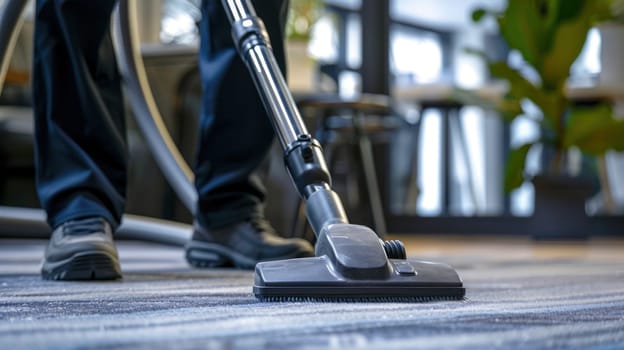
560, 207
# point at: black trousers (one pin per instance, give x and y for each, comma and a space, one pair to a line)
80, 136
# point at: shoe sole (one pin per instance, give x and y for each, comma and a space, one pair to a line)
210, 255
89, 265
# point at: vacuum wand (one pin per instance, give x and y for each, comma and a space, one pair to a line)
303, 154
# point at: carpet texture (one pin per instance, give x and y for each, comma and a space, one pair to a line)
161, 303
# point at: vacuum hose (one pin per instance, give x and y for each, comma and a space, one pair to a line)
31, 223
168, 157
10, 24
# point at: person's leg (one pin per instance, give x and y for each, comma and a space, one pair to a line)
235, 136
80, 142
235, 132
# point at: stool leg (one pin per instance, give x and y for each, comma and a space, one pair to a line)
455, 120
447, 174
370, 176
412, 186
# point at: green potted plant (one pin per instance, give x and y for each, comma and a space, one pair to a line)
549, 35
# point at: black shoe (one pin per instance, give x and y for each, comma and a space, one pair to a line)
81, 250
242, 245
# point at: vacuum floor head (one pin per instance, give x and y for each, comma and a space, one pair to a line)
351, 264
317, 279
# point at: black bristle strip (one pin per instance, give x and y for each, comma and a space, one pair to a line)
401, 299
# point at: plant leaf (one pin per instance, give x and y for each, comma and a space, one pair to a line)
519, 85
514, 169
568, 39
521, 27
478, 14
551, 11
594, 130
551, 103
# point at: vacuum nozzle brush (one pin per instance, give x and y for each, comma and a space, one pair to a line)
352, 265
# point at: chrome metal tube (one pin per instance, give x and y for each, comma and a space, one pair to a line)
275, 95
265, 71
237, 10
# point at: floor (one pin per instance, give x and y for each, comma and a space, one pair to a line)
520, 295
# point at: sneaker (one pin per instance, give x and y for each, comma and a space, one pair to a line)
81, 250
242, 245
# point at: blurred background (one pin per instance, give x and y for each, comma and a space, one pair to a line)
412, 150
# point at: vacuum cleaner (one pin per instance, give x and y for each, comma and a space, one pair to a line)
351, 262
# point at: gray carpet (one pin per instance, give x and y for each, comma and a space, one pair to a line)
163, 304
